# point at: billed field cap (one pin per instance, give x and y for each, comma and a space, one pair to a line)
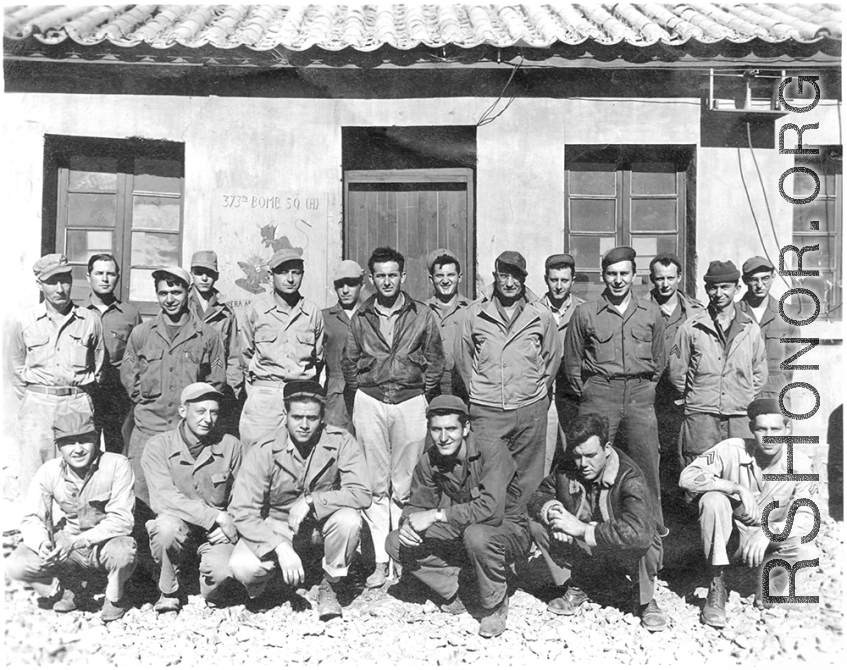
304, 389
617, 255
348, 270
73, 424
513, 259
447, 402
665, 259
559, 259
763, 406
722, 271
205, 259
283, 256
433, 256
174, 270
51, 264
756, 264
198, 390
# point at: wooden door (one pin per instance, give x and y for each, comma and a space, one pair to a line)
414, 211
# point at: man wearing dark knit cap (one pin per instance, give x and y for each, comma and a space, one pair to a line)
758, 274
614, 355
735, 492
508, 354
719, 365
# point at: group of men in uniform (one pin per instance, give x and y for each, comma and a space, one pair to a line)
459, 431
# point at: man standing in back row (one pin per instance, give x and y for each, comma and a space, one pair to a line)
614, 355
392, 363
282, 340
508, 354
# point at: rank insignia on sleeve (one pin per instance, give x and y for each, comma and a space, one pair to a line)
218, 363
675, 351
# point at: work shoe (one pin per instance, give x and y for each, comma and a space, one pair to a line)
379, 576
493, 623
568, 604
653, 617
67, 603
453, 606
168, 603
328, 605
111, 611
714, 611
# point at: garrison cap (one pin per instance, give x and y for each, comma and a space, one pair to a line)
51, 264
756, 264
559, 259
722, 271
447, 402
283, 256
763, 406
433, 256
348, 270
174, 271
205, 259
73, 424
666, 259
198, 390
617, 255
304, 389
512, 259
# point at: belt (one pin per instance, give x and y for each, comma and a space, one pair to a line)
612, 378
267, 382
55, 390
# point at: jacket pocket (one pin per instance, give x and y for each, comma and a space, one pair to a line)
79, 352
150, 373
221, 485
93, 512
265, 339
604, 347
306, 338
642, 343
35, 343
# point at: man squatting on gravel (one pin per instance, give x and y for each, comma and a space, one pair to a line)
448, 499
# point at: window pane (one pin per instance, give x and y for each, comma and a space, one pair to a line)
587, 250
802, 306
654, 215
804, 184
593, 179
647, 246
822, 259
159, 176
91, 211
141, 288
88, 173
654, 178
80, 245
154, 249
592, 216
155, 212
819, 210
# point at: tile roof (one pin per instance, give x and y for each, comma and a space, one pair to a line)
401, 26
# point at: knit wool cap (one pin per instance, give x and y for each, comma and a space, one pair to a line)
721, 271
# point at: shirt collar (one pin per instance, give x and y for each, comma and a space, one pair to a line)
282, 306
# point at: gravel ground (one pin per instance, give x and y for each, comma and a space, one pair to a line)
398, 626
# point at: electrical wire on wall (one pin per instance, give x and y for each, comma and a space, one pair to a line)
485, 119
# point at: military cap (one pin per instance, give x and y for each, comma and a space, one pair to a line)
512, 259
721, 271
666, 259
763, 406
304, 389
348, 270
617, 255
205, 259
72, 424
433, 256
51, 264
283, 256
447, 402
754, 265
198, 390
559, 259
175, 271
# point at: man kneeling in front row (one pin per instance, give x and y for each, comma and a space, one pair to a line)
304, 487
593, 517
482, 523
730, 476
95, 492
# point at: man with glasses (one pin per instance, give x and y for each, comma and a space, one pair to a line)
758, 274
508, 354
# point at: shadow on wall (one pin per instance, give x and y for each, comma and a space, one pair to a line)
835, 463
